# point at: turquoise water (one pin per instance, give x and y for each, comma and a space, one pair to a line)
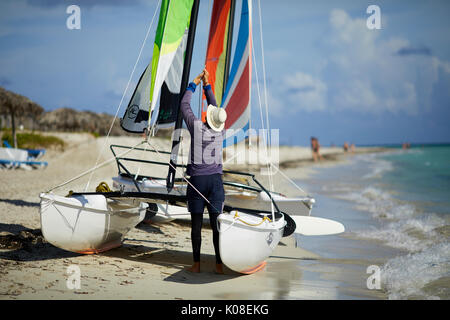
400, 199
422, 174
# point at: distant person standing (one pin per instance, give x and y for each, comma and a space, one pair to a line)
315, 148
345, 146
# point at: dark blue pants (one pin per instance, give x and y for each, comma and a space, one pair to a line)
211, 187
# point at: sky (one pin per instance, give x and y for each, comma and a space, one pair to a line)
327, 74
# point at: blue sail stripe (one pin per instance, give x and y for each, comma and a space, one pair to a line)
234, 139
243, 38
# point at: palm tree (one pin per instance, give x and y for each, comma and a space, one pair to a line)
16, 105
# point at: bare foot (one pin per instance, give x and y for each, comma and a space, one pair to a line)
219, 268
195, 268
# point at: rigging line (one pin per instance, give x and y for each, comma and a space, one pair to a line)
234, 156
265, 138
124, 93
258, 88
261, 114
265, 85
257, 85
289, 179
176, 170
262, 121
265, 94
265, 91
182, 151
96, 167
140, 165
200, 103
263, 63
200, 107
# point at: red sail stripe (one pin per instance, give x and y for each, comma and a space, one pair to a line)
240, 98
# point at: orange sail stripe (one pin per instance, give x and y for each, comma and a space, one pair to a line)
217, 43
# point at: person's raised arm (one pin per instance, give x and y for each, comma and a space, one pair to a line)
210, 98
185, 106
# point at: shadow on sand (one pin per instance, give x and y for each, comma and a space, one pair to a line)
172, 259
19, 243
20, 203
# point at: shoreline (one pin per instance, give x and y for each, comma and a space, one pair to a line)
153, 256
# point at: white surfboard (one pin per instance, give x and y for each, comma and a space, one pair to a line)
314, 226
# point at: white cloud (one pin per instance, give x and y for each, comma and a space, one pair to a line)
305, 91
365, 72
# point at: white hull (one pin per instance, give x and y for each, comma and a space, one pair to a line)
246, 241
262, 202
153, 185
167, 212
235, 198
87, 224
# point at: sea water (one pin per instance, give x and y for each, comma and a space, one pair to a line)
398, 200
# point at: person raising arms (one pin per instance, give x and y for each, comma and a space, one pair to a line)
205, 186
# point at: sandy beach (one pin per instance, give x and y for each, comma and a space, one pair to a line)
151, 262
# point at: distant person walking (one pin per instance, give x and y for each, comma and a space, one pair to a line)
315, 148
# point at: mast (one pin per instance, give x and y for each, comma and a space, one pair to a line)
184, 82
229, 43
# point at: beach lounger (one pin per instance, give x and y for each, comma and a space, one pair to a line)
11, 158
32, 153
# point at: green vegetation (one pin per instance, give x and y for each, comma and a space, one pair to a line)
95, 134
34, 141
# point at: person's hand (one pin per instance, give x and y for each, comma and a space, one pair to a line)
205, 77
198, 78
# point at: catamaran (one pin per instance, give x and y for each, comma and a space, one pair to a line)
231, 85
254, 219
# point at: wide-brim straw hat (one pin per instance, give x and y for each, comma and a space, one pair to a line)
216, 117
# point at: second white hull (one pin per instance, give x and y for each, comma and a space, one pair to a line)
246, 241
87, 224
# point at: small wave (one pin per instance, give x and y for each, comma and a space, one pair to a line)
409, 276
378, 167
403, 226
412, 235
379, 203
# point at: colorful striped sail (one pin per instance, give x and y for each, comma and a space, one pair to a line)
163, 75
236, 99
218, 41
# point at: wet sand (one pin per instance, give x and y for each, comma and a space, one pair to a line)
152, 262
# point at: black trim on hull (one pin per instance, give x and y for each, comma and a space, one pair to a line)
181, 200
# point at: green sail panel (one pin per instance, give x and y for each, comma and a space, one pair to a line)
170, 59
163, 72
